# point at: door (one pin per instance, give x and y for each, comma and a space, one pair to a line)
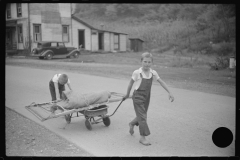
54, 48
81, 39
8, 39
11, 42
61, 48
100, 41
116, 42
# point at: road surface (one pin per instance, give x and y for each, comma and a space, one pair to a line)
180, 128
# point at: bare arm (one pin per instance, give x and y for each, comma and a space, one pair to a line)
164, 85
57, 91
69, 86
129, 88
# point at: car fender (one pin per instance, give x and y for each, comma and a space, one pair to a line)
75, 50
45, 52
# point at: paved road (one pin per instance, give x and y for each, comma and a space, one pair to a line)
181, 128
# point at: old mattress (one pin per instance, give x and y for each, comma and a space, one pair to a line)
73, 100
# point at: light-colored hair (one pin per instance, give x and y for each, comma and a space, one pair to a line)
147, 55
63, 78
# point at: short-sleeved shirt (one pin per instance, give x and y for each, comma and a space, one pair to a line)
56, 78
137, 78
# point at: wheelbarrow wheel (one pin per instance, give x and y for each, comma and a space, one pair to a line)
68, 118
106, 121
88, 124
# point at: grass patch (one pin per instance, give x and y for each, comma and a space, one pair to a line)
185, 74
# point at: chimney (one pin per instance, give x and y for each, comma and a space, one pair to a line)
102, 25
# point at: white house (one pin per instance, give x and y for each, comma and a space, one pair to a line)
35, 22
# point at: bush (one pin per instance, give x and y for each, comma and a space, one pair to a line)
178, 62
201, 47
162, 49
220, 63
223, 48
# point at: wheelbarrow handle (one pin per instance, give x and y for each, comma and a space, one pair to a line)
35, 104
123, 99
126, 98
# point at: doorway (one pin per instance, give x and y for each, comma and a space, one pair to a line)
100, 41
81, 39
11, 42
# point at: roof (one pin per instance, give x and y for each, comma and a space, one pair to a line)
136, 38
94, 27
50, 42
79, 20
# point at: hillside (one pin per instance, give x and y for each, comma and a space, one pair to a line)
195, 28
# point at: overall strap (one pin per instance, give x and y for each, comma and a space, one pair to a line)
152, 75
142, 76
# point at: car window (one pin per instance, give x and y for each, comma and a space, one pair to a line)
60, 44
39, 45
53, 44
46, 44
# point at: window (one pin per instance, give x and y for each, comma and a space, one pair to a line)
116, 41
60, 45
65, 33
39, 45
54, 44
8, 10
19, 10
20, 34
37, 32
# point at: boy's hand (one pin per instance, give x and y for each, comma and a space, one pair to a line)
171, 98
125, 97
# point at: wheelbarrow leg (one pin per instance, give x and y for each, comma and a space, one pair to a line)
68, 120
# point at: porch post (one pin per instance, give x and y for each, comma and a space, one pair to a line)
29, 30
16, 36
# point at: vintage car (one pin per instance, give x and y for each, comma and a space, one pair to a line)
48, 50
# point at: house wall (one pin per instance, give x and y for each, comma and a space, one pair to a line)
24, 23
14, 11
23, 20
123, 42
87, 31
51, 16
107, 42
112, 41
94, 42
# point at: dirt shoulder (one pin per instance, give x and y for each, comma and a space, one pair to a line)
25, 137
203, 80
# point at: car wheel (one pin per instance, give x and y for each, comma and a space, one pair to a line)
75, 55
48, 56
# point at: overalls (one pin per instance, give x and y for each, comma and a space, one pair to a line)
141, 99
52, 90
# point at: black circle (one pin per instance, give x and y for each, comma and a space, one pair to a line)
222, 137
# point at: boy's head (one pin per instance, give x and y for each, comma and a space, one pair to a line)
146, 60
146, 55
63, 79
